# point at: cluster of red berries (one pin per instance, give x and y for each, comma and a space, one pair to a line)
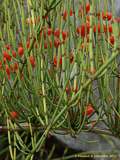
47, 32
9, 61
55, 61
65, 14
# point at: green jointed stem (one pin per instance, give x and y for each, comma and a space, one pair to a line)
91, 38
9, 140
43, 90
76, 98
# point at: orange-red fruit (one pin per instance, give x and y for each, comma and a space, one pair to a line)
110, 28
57, 33
45, 45
0, 64
7, 71
65, 15
8, 47
98, 28
112, 39
64, 35
14, 114
4, 60
87, 7
89, 109
49, 31
55, 61
32, 60
13, 53
107, 16
88, 27
20, 51
71, 12
60, 60
78, 30
6, 55
83, 30
56, 43
67, 89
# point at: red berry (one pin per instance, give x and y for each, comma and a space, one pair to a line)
78, 30
67, 89
13, 53
49, 32
89, 110
107, 15
57, 33
83, 30
87, 7
98, 28
71, 12
112, 39
110, 28
8, 47
55, 61
88, 27
32, 60
4, 60
0, 64
45, 45
6, 55
65, 15
60, 60
14, 115
7, 71
56, 43
94, 29
20, 51
64, 35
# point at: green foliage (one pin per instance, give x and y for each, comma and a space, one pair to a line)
48, 85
